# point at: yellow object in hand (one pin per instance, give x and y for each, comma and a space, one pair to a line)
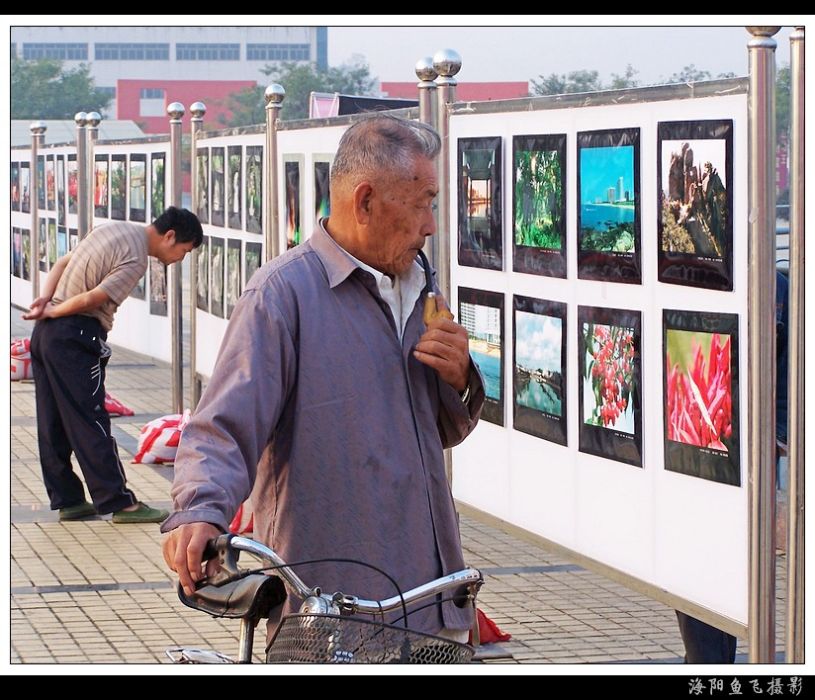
435, 306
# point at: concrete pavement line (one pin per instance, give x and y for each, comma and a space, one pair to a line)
510, 570
90, 587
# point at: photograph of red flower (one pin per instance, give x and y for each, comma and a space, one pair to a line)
700, 352
610, 383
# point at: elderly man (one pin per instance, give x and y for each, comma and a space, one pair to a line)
331, 400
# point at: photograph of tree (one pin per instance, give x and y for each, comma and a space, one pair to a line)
202, 188
539, 368
480, 230
216, 276
16, 252
138, 187
73, 183
118, 186
322, 190
156, 185
100, 187
254, 189
218, 194
482, 315
234, 194
695, 183
158, 287
608, 215
41, 182
233, 275
610, 384
251, 261
701, 385
26, 259
52, 242
202, 294
539, 204
61, 190
42, 246
15, 187
50, 184
25, 187
293, 231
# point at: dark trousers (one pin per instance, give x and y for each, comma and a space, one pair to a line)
69, 379
705, 644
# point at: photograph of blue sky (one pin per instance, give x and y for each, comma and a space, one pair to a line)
601, 168
538, 341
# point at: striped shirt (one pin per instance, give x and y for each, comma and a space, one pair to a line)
114, 257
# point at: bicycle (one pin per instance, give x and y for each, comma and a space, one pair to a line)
323, 631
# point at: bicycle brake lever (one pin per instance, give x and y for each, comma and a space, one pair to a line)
221, 548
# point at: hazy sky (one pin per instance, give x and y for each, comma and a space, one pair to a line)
509, 53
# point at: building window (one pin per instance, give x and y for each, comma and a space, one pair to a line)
58, 51
277, 52
132, 52
208, 52
152, 93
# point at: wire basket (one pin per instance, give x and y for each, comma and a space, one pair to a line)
331, 639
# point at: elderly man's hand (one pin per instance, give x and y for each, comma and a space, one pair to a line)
183, 549
445, 347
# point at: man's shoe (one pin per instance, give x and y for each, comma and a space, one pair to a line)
77, 512
142, 514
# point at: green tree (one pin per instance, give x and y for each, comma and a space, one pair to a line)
689, 74
626, 80
782, 103
300, 80
44, 90
576, 81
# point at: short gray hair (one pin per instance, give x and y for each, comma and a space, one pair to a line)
382, 143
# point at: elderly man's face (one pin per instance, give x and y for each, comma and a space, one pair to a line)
402, 217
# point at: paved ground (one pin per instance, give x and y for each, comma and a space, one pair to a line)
95, 592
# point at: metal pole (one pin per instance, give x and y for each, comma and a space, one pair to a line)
82, 181
428, 108
274, 95
37, 130
446, 63
198, 110
92, 134
796, 397
176, 111
761, 325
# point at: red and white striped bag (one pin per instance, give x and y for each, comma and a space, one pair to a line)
158, 439
21, 360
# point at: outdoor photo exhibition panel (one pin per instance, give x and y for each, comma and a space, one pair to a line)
600, 255
24, 245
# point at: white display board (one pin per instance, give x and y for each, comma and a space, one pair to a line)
682, 533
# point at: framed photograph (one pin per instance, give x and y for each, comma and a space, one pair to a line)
202, 185
218, 194
42, 245
480, 229
701, 386
233, 275
50, 184
610, 383
217, 256
100, 188
482, 314
254, 189
73, 238
52, 242
26, 254
62, 242
695, 219
41, 182
138, 187
140, 290
73, 183
608, 215
539, 368
61, 190
322, 190
15, 187
539, 205
158, 287
25, 187
157, 185
16, 252
202, 293
118, 186
294, 233
234, 194
252, 260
